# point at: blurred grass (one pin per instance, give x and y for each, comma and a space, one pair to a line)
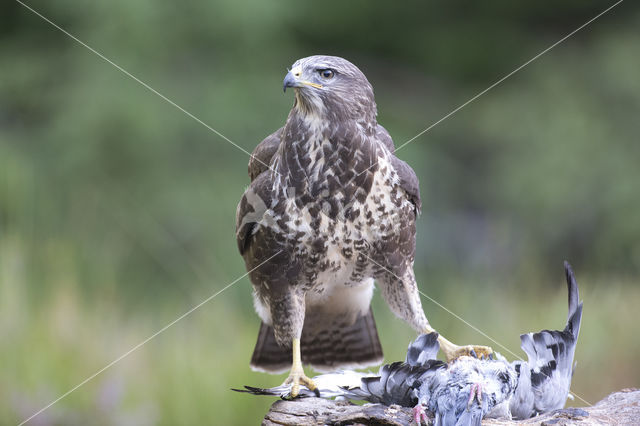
184, 375
117, 210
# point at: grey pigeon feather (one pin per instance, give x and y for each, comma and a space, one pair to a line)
330, 385
545, 379
423, 350
468, 389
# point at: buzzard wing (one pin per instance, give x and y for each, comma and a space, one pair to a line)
255, 201
408, 178
408, 182
262, 154
384, 137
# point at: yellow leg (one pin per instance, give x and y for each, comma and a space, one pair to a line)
452, 351
297, 376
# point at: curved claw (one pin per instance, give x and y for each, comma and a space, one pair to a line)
479, 352
295, 379
453, 351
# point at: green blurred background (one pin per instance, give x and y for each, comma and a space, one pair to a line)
117, 210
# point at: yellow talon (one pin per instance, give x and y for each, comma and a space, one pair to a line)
452, 351
297, 376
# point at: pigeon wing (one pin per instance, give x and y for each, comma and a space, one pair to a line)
544, 380
423, 349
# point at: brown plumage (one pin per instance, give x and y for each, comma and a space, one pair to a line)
336, 209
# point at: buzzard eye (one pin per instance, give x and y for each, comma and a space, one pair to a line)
326, 73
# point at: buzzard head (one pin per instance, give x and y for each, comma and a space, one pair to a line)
332, 88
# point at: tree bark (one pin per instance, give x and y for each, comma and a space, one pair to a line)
618, 408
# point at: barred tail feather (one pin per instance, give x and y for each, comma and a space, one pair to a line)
342, 345
268, 356
326, 347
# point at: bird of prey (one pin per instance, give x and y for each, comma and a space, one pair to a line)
330, 209
467, 389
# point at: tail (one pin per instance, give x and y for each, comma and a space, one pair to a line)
575, 306
268, 356
326, 347
545, 379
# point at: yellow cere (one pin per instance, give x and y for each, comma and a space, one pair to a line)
316, 85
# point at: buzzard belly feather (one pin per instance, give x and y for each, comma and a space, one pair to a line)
342, 282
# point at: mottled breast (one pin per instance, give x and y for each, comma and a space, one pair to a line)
336, 233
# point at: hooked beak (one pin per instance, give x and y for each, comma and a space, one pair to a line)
290, 80
293, 79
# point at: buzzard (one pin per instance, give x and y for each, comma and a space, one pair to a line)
330, 209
